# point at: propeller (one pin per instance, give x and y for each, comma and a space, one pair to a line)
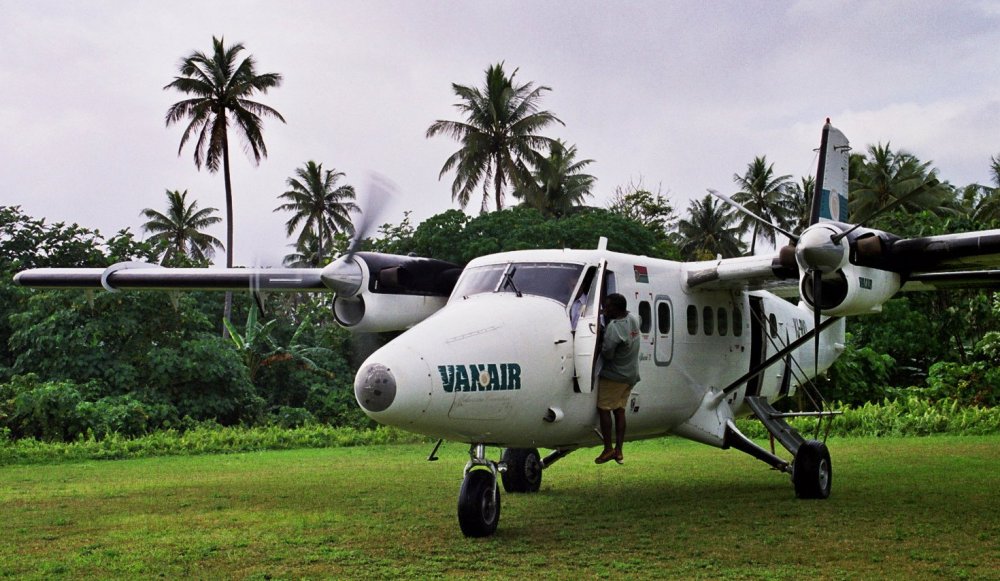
745, 210
819, 252
344, 275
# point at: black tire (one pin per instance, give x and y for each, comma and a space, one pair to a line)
524, 470
812, 472
479, 504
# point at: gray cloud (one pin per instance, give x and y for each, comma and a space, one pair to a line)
682, 94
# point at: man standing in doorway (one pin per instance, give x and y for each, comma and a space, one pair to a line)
620, 350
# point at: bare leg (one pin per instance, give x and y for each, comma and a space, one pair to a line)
619, 429
605, 417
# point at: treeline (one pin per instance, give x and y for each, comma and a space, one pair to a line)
78, 364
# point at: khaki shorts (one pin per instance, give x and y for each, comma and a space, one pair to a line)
612, 395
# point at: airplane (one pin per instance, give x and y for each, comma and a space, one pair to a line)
491, 355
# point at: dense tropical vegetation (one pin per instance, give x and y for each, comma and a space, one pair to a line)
77, 364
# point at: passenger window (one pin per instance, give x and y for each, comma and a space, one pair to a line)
645, 317
737, 321
692, 319
723, 319
773, 323
663, 318
708, 315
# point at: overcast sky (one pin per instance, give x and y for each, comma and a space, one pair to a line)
681, 95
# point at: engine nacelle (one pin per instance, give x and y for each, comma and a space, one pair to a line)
376, 312
852, 290
388, 292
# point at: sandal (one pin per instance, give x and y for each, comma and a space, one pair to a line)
605, 456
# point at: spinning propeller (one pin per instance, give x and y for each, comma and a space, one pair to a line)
344, 275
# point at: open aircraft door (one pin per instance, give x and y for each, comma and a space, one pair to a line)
598, 282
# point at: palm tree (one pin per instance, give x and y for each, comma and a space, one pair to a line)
179, 230
499, 133
799, 203
987, 207
709, 231
321, 207
307, 254
764, 194
557, 183
220, 87
886, 177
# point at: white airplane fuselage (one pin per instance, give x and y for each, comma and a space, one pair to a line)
501, 365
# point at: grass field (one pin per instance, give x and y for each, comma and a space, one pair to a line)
900, 508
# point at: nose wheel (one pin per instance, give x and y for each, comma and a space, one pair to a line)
479, 498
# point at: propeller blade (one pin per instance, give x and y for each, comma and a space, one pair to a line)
379, 190
741, 208
817, 306
933, 183
344, 275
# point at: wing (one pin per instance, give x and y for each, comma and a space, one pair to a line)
133, 275
949, 261
766, 272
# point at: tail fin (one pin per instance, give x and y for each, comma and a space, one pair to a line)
830, 198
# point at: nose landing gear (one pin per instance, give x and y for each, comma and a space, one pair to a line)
479, 498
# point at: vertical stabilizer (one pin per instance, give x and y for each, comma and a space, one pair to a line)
830, 198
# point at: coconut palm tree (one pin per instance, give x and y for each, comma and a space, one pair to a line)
558, 182
799, 203
710, 230
220, 87
322, 208
180, 229
307, 253
764, 194
987, 208
887, 177
499, 133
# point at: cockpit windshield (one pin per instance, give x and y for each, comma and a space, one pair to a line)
554, 280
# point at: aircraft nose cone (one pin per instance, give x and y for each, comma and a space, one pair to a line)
375, 387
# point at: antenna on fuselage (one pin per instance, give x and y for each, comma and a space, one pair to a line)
602, 243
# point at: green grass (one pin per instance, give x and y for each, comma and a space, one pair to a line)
901, 508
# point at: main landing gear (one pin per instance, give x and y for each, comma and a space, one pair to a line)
811, 469
519, 469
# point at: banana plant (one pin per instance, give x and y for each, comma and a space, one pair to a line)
258, 348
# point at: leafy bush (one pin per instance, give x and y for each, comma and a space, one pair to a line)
909, 416
289, 417
64, 411
203, 439
859, 375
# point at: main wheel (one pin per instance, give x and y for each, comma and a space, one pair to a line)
524, 470
812, 472
479, 504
